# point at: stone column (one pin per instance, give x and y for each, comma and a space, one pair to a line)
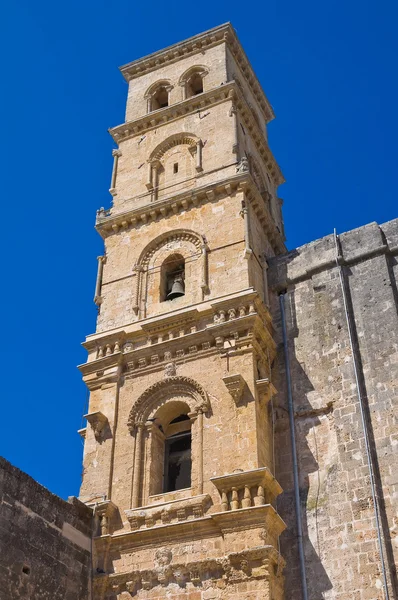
235, 145
116, 154
246, 218
200, 452
149, 183
205, 270
98, 283
199, 155
266, 292
137, 465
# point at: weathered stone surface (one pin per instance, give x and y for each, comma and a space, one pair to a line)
45, 542
341, 550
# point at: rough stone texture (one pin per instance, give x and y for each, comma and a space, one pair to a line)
45, 542
341, 551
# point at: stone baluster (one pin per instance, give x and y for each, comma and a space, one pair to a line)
260, 498
234, 499
247, 499
224, 501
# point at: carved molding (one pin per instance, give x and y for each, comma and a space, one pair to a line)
168, 512
176, 139
234, 567
164, 390
178, 235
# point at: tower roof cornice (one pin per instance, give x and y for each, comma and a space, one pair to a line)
222, 34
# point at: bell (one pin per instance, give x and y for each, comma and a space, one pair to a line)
177, 289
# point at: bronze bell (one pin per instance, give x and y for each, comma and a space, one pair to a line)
177, 289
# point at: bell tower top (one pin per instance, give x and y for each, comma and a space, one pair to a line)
217, 53
192, 155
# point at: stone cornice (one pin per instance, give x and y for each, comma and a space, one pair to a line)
243, 320
199, 43
254, 563
230, 91
108, 224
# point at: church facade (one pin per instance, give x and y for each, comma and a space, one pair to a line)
240, 430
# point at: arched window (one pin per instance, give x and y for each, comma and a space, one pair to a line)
160, 99
192, 81
172, 278
177, 454
158, 96
171, 455
194, 85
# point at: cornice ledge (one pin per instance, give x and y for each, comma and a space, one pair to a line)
174, 53
151, 211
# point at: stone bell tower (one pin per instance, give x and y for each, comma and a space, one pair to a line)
178, 456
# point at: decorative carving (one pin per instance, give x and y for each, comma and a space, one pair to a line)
163, 557
97, 421
170, 368
168, 512
162, 391
243, 165
234, 567
178, 235
235, 385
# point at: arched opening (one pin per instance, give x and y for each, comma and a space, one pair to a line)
171, 456
194, 85
172, 278
160, 98
177, 454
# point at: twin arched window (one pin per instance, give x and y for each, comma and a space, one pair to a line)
158, 95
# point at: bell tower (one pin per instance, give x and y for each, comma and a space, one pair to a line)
178, 454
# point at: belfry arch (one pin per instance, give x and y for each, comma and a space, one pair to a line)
175, 158
190, 246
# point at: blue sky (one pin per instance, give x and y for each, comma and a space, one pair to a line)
329, 70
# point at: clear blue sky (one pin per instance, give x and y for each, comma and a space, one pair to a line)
328, 68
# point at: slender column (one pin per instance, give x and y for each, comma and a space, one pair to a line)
205, 269
155, 178
115, 154
138, 270
235, 145
149, 184
199, 156
246, 217
98, 283
266, 291
137, 465
200, 452
148, 104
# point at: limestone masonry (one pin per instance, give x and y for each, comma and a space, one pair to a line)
241, 434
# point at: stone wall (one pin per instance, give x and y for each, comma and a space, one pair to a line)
340, 544
45, 542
